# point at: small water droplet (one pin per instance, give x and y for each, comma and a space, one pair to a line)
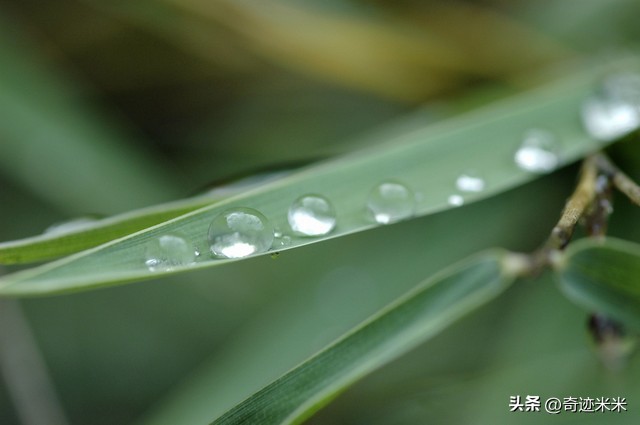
391, 201
311, 215
277, 233
73, 225
538, 152
470, 182
456, 200
285, 241
240, 232
168, 252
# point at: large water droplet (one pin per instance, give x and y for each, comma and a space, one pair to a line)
311, 215
391, 201
607, 120
167, 252
615, 110
538, 152
240, 232
470, 182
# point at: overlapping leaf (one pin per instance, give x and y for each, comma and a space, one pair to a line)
604, 277
416, 317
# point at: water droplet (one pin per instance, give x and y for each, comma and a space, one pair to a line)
280, 239
607, 120
312, 215
470, 182
167, 252
615, 110
74, 225
285, 241
240, 232
456, 200
538, 152
389, 202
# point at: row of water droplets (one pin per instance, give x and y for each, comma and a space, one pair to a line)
240, 232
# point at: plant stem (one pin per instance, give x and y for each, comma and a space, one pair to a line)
620, 179
576, 206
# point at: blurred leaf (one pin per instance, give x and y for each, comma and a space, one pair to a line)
489, 40
604, 277
397, 329
593, 27
57, 144
429, 161
381, 57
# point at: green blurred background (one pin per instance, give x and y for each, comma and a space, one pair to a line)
110, 106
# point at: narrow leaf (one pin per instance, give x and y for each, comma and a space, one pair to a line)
56, 244
428, 160
416, 317
604, 277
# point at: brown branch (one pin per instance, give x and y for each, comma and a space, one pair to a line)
576, 206
621, 181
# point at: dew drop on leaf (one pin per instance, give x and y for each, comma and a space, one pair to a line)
240, 232
470, 182
168, 252
615, 110
455, 200
538, 153
390, 201
311, 215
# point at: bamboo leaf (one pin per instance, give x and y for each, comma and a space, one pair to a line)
428, 161
416, 317
604, 277
88, 235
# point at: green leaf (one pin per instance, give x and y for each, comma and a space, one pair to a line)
416, 317
77, 238
428, 160
604, 276
55, 244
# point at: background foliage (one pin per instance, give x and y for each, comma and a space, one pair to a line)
110, 106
